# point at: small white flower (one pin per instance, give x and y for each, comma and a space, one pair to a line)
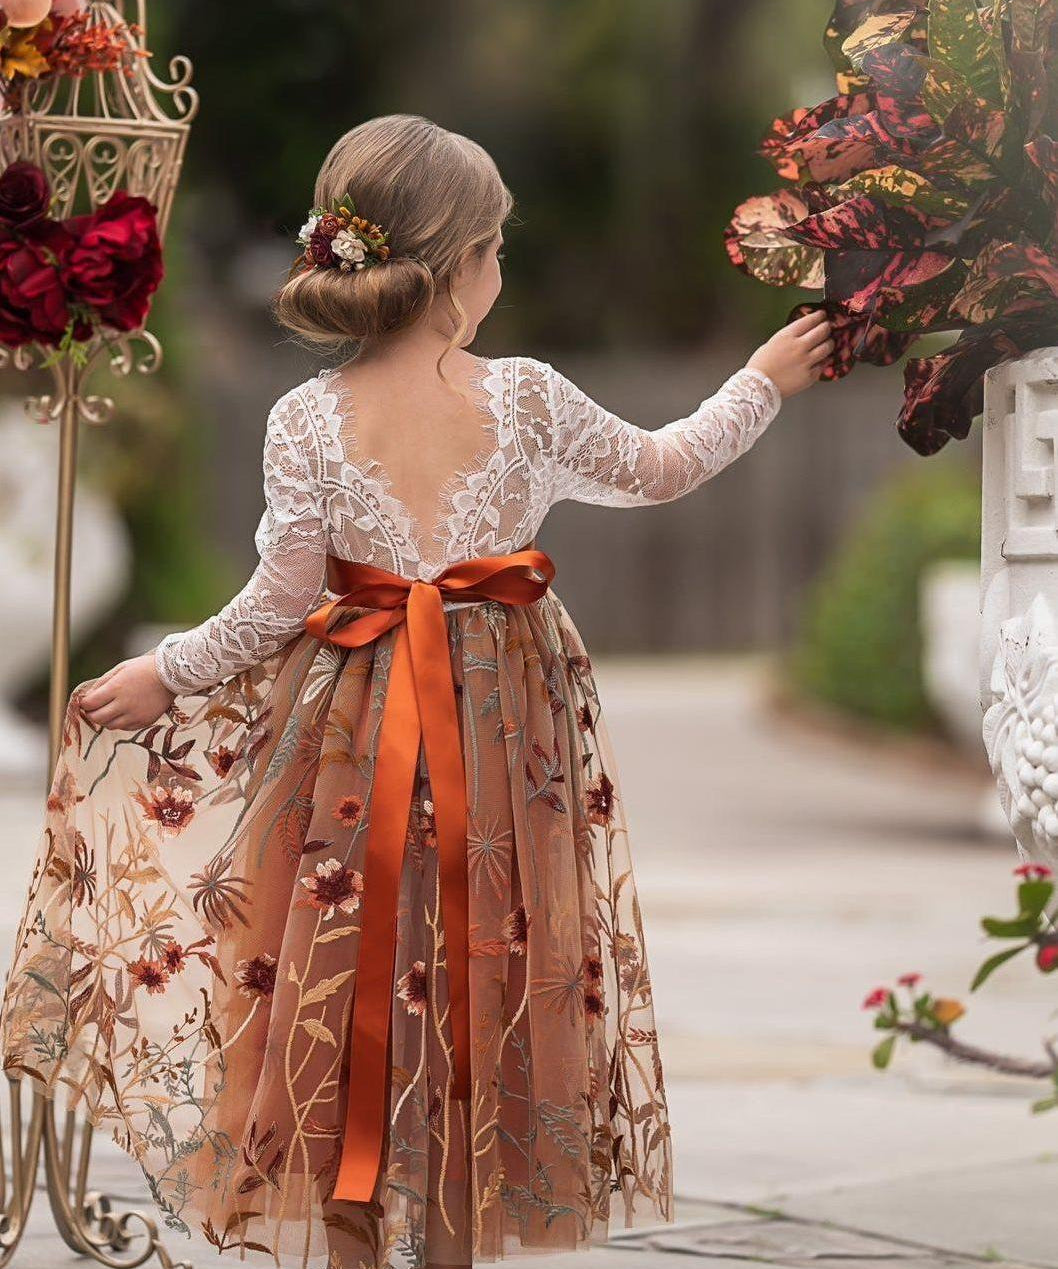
347, 246
308, 229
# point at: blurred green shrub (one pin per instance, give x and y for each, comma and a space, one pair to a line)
859, 648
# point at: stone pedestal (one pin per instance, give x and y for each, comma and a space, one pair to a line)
1019, 596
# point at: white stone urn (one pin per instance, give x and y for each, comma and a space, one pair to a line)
1019, 596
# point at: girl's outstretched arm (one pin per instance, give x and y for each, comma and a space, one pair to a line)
602, 459
268, 612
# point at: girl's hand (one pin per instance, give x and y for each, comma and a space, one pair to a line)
128, 697
794, 357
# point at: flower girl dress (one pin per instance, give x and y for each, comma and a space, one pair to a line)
346, 1000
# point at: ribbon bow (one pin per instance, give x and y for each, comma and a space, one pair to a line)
420, 706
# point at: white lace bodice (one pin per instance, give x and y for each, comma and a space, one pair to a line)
546, 441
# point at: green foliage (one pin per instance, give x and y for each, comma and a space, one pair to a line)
859, 648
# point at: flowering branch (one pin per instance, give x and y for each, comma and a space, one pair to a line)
922, 1017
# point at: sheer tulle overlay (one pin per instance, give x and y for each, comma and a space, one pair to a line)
187, 965
188, 959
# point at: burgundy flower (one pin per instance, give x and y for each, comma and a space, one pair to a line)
33, 305
150, 974
257, 976
592, 969
600, 799
515, 930
115, 265
411, 988
171, 809
319, 250
334, 888
593, 1005
221, 759
24, 194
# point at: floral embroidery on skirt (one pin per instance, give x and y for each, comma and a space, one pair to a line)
186, 965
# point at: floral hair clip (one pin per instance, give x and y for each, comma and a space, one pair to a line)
340, 239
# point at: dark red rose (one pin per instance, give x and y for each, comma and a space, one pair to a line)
319, 249
24, 194
115, 265
33, 306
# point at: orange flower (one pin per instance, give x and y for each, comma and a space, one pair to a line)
600, 799
349, 810
222, 759
257, 976
150, 974
947, 1011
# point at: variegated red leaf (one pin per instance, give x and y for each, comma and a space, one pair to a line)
757, 242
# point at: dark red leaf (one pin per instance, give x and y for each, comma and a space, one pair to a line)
859, 223
944, 393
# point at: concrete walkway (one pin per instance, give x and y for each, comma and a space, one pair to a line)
783, 871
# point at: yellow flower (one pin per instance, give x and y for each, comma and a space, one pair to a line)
947, 1011
19, 55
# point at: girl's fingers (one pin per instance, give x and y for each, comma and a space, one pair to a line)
96, 698
816, 335
822, 352
807, 323
104, 716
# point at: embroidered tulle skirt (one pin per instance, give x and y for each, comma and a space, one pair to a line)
186, 967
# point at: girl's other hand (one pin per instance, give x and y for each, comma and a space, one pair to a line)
128, 697
794, 357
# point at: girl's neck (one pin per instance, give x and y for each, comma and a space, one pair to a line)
419, 345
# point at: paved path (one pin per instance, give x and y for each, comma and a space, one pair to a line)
782, 872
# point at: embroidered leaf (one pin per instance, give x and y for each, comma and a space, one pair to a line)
325, 987
318, 1031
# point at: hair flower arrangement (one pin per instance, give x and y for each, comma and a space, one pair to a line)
340, 239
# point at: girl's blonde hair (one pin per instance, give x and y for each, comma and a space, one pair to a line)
437, 194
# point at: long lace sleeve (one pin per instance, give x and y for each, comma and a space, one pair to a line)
600, 458
287, 583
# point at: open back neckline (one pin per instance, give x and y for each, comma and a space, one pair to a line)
431, 540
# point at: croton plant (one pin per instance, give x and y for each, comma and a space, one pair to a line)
922, 197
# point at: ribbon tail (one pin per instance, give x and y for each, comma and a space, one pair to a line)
367, 1111
442, 742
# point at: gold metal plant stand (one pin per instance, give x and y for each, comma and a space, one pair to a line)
92, 136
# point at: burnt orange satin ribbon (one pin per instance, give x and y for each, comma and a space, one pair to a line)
420, 706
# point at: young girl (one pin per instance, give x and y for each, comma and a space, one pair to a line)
333, 921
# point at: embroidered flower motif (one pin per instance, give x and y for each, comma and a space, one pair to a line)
83, 880
594, 1009
256, 976
515, 930
584, 718
221, 759
150, 974
411, 988
601, 799
171, 809
349, 810
174, 957
334, 888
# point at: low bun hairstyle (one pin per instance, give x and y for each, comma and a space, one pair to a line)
439, 197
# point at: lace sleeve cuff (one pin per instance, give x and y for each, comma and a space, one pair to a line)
762, 393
